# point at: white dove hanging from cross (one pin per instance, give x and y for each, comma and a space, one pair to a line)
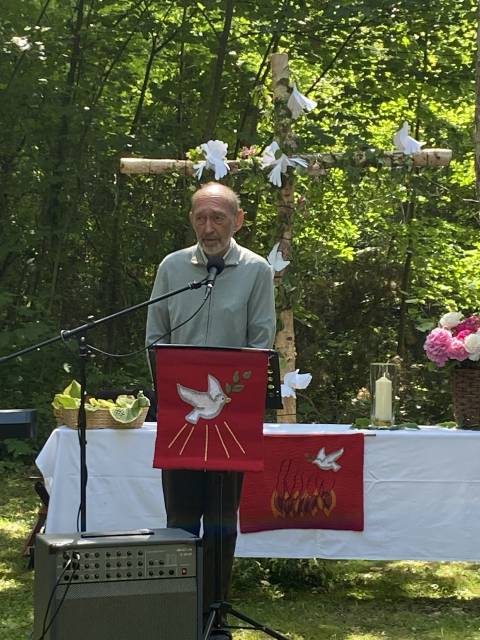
294, 380
405, 143
275, 259
206, 404
215, 152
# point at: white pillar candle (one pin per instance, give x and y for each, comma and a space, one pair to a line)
383, 399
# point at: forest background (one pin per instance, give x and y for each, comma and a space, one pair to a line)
379, 254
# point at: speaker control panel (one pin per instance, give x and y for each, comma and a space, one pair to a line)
145, 562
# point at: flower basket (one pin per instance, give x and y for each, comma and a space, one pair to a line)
100, 419
466, 397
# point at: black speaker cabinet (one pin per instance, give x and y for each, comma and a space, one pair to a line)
118, 586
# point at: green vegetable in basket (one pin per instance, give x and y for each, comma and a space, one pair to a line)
69, 398
126, 408
124, 401
62, 401
129, 413
143, 401
74, 390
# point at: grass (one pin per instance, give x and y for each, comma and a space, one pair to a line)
18, 509
345, 600
378, 601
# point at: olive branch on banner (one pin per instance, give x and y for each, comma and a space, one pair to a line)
236, 386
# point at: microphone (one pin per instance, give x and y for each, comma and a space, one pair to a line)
215, 266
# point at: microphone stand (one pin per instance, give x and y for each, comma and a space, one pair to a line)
84, 353
220, 608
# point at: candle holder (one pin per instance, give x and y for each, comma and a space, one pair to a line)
383, 391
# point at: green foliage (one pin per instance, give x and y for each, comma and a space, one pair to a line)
15, 453
378, 253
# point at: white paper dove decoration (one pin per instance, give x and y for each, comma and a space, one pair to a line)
279, 165
215, 152
405, 143
298, 103
275, 259
292, 381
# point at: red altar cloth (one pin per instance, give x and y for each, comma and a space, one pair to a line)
309, 482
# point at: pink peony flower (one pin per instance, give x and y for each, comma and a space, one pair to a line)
470, 324
248, 152
461, 335
437, 346
457, 350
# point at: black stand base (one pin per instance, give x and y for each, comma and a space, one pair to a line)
218, 613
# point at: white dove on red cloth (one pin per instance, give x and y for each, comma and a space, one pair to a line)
206, 404
405, 143
328, 462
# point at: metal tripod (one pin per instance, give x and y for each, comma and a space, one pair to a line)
219, 610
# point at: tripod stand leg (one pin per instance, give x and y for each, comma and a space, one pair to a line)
256, 625
212, 621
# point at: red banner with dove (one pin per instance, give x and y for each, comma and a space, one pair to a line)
309, 482
211, 403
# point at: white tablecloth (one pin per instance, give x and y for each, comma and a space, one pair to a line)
422, 493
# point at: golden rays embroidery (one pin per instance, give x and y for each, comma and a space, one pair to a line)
227, 440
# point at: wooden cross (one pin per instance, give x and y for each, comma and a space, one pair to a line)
318, 164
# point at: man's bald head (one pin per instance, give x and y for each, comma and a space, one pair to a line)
215, 188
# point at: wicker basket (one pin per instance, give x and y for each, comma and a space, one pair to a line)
100, 419
466, 397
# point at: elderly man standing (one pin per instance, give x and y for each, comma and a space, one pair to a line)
239, 313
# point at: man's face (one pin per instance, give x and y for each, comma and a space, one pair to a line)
214, 222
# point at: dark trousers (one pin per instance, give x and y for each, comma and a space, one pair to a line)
191, 495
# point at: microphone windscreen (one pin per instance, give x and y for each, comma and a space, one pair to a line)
216, 262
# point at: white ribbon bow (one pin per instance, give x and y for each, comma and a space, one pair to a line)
292, 381
279, 165
299, 104
275, 259
215, 152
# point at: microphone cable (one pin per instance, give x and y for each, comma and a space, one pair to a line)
74, 558
167, 333
208, 296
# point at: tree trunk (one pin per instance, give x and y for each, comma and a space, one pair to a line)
247, 127
215, 90
477, 109
54, 211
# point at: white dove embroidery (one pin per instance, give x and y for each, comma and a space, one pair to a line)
206, 404
328, 462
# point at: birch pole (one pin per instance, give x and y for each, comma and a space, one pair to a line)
283, 134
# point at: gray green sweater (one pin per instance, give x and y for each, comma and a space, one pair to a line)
241, 309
